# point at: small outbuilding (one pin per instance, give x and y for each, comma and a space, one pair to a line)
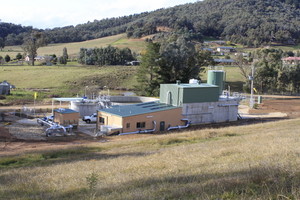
66, 117
5, 88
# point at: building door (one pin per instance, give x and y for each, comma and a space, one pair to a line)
169, 98
162, 126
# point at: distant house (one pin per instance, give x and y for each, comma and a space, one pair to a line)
226, 49
46, 59
291, 60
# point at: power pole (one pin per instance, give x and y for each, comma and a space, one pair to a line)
251, 78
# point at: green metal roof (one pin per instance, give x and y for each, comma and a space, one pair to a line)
137, 109
178, 94
65, 111
186, 85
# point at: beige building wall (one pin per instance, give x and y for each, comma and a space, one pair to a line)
66, 118
163, 119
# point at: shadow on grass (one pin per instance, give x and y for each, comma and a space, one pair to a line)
263, 182
69, 155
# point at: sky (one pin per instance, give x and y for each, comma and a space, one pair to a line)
58, 13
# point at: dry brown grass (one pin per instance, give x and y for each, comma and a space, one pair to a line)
247, 162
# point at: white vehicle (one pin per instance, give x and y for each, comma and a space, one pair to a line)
90, 118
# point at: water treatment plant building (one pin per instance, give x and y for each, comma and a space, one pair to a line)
180, 104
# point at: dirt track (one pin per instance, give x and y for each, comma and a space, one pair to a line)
16, 138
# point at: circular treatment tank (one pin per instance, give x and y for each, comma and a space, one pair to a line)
88, 107
216, 77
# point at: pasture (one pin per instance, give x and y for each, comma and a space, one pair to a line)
66, 81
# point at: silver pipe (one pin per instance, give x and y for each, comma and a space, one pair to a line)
141, 131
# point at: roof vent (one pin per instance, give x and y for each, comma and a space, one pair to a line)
178, 82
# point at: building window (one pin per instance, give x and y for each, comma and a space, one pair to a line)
101, 120
140, 124
128, 125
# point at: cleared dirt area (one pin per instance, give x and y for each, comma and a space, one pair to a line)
289, 106
18, 135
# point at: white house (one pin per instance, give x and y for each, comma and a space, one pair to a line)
226, 49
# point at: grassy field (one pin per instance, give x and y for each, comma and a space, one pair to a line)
66, 81
121, 41
248, 162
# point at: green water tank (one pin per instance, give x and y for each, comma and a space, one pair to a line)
216, 77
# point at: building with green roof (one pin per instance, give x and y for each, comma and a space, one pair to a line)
179, 105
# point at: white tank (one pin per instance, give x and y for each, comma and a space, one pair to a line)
194, 81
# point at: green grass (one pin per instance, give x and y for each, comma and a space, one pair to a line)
248, 162
121, 41
51, 77
47, 157
65, 81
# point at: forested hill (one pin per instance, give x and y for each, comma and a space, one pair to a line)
250, 22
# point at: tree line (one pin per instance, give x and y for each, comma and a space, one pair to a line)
272, 76
105, 56
248, 22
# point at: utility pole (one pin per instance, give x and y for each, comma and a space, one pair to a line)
85, 56
251, 78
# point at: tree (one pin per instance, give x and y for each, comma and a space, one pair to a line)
2, 43
204, 59
178, 61
62, 60
54, 59
31, 44
1, 60
147, 75
19, 56
7, 58
65, 53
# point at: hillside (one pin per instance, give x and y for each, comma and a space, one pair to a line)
248, 162
120, 41
250, 22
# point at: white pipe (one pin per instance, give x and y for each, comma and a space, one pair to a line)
52, 125
180, 127
128, 133
227, 105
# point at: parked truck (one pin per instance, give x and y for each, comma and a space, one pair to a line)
90, 118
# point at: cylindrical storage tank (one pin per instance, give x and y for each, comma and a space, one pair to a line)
85, 108
216, 77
